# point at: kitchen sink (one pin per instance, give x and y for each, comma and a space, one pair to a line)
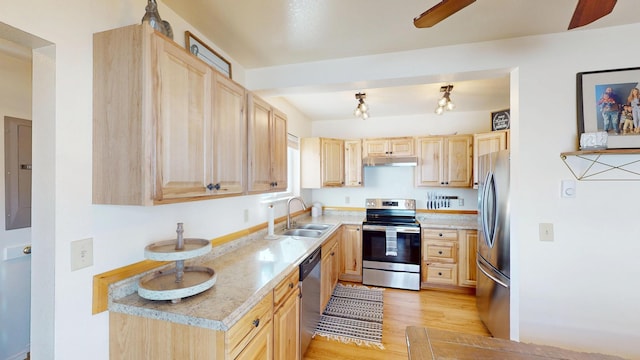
322, 227
307, 230
303, 232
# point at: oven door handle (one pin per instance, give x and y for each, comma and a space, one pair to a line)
400, 229
374, 228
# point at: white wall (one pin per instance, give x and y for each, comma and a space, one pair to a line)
15, 273
62, 192
577, 291
388, 182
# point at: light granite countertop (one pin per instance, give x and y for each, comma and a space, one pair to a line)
247, 269
245, 274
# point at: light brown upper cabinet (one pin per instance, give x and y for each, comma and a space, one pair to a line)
444, 161
486, 143
229, 136
353, 163
166, 126
267, 136
402, 146
321, 163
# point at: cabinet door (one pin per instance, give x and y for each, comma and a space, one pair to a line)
332, 162
325, 280
230, 140
329, 268
184, 107
353, 163
375, 147
457, 167
279, 151
401, 147
259, 130
467, 261
430, 156
351, 253
335, 265
286, 328
484, 144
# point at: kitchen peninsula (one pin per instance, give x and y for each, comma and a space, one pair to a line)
248, 270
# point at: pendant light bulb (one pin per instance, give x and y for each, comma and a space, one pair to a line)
439, 110
450, 106
442, 102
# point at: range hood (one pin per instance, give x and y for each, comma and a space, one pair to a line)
390, 161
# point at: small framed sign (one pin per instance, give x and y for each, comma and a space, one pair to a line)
206, 54
500, 120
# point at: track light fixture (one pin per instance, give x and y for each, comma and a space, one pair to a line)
445, 102
362, 110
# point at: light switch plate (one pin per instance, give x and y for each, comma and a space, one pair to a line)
81, 254
546, 231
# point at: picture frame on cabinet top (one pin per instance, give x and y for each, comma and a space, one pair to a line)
203, 52
591, 86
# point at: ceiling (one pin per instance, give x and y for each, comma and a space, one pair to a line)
259, 33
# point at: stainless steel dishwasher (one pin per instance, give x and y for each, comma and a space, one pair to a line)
310, 304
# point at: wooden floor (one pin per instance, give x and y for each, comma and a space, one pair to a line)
402, 308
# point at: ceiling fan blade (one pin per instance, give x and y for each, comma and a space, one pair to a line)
588, 11
440, 12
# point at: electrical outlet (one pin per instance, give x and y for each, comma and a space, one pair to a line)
81, 254
246, 215
461, 202
546, 232
347, 199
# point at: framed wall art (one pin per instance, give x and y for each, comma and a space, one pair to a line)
207, 54
500, 120
609, 101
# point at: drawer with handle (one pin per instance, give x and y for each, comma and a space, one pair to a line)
249, 325
440, 251
286, 287
442, 273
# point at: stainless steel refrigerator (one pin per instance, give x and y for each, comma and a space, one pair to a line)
494, 275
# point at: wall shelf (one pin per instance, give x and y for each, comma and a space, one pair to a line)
604, 165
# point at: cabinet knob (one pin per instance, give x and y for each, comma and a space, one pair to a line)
440, 234
211, 186
290, 285
440, 252
256, 322
333, 253
439, 274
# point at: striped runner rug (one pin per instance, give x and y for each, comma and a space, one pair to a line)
353, 314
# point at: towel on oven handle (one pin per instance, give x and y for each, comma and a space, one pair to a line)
392, 242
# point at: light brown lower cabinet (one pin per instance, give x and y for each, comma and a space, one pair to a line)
351, 253
260, 347
468, 254
449, 259
286, 318
135, 337
329, 269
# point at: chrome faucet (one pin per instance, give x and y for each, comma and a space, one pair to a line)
304, 207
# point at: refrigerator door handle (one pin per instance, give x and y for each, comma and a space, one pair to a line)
481, 267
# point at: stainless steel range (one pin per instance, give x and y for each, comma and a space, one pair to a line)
391, 249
